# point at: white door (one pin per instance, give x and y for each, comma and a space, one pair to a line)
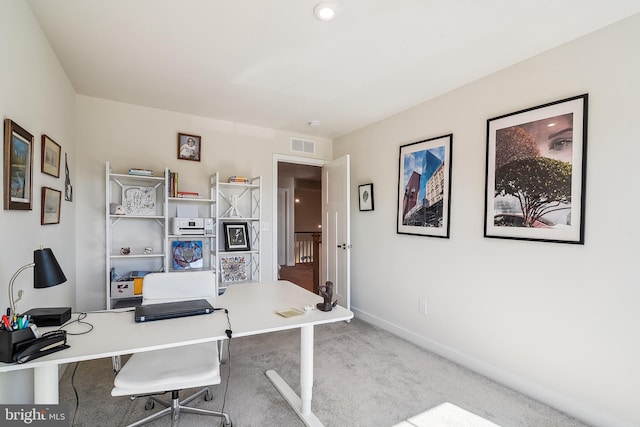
336, 237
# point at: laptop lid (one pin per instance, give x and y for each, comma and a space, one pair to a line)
171, 310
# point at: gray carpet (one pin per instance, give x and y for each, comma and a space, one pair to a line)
364, 376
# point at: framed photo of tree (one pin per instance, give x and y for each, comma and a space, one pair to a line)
536, 173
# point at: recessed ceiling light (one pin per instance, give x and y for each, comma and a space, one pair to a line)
325, 11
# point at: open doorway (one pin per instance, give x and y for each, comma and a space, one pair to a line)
299, 223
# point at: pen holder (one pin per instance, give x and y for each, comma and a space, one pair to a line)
9, 340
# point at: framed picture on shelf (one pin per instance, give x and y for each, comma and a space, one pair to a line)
233, 268
51, 152
50, 211
18, 163
137, 200
236, 236
365, 197
536, 173
189, 147
424, 187
187, 254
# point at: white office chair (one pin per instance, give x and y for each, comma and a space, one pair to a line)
170, 370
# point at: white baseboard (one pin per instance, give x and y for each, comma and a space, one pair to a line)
552, 398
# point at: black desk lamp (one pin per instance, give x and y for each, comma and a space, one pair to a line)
46, 273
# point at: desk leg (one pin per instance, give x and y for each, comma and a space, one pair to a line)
45, 385
306, 368
302, 406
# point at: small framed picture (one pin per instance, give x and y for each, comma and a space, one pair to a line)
18, 163
50, 213
189, 147
50, 157
236, 236
365, 200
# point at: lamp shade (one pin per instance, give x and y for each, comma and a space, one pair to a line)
46, 271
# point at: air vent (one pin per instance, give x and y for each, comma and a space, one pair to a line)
303, 145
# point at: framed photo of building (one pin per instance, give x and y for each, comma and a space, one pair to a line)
51, 152
18, 167
424, 187
189, 147
50, 211
535, 173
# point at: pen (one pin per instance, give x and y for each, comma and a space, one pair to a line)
6, 322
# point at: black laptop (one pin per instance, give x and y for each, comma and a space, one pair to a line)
171, 310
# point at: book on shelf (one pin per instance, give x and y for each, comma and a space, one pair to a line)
188, 195
238, 179
140, 172
173, 184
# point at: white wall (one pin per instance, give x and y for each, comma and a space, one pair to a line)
133, 136
36, 94
558, 321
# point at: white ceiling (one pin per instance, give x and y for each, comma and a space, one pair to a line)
271, 63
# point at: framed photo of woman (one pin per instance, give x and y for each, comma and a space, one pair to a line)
189, 147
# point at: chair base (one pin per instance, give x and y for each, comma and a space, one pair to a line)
176, 407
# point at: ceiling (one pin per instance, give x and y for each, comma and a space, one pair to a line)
271, 63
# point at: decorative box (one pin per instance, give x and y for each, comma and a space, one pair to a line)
122, 289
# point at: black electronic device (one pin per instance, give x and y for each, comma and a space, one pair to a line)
48, 343
49, 316
171, 310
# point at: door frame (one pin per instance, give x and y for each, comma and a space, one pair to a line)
286, 159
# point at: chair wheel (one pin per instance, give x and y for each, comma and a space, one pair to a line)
149, 405
208, 396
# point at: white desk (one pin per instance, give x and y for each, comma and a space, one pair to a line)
251, 312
